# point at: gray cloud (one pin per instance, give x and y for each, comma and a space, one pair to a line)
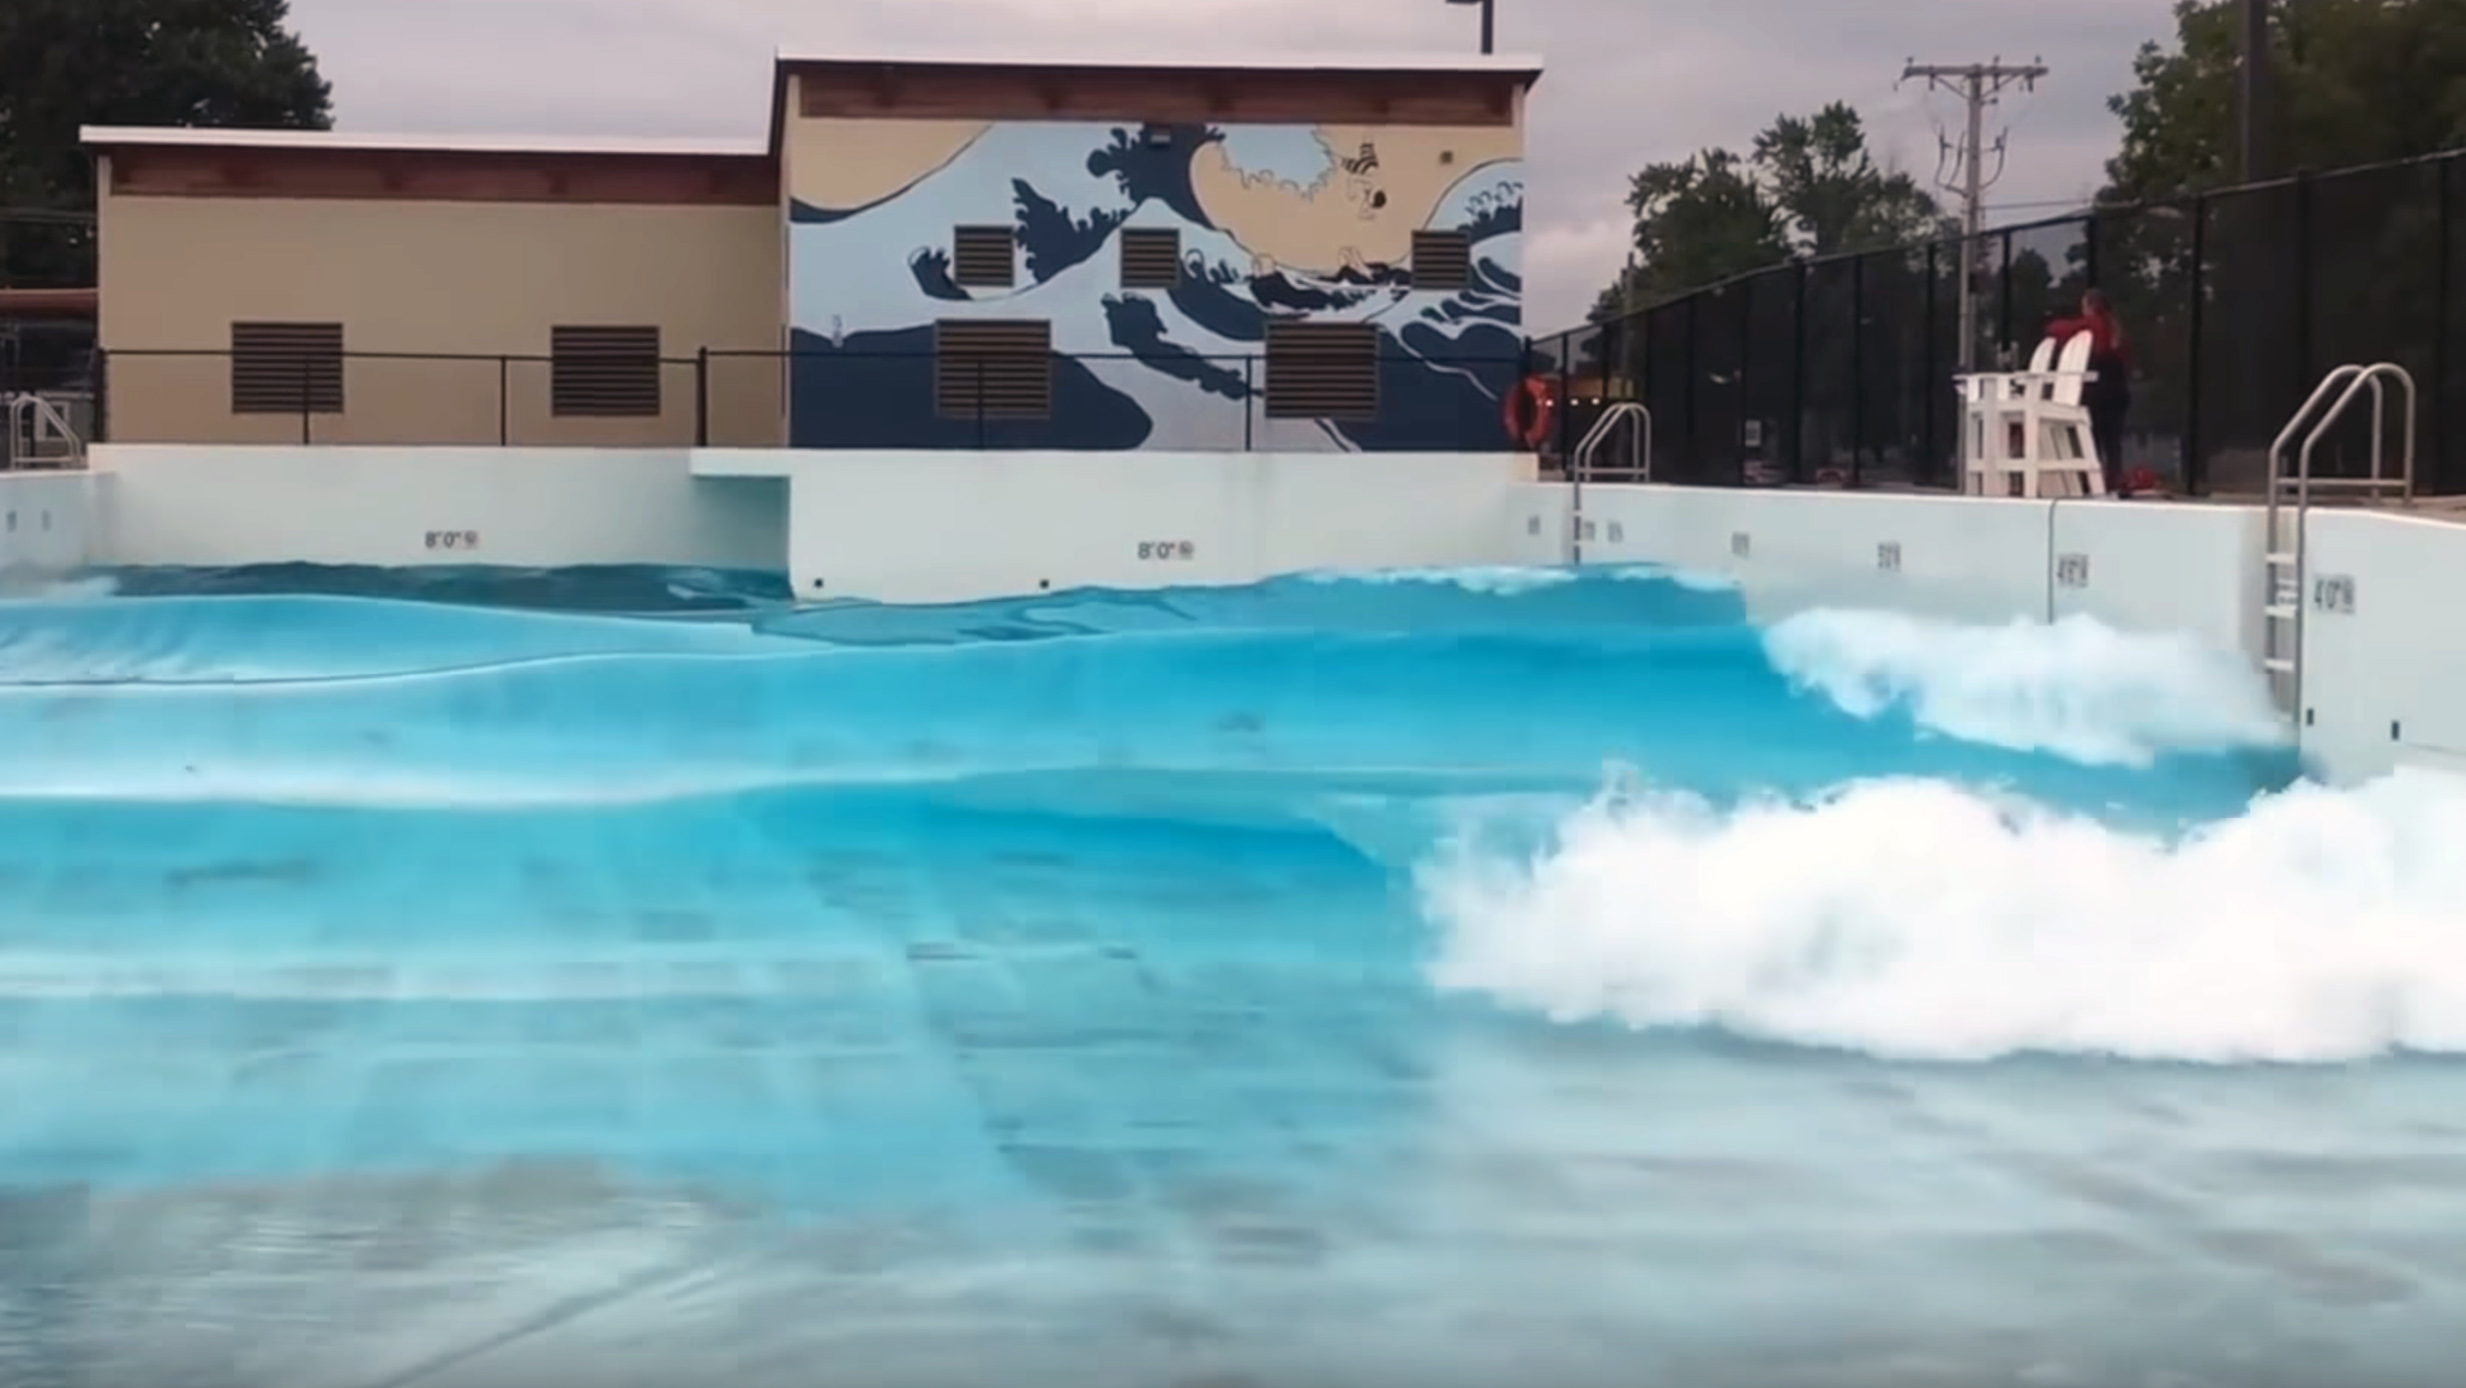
1629, 81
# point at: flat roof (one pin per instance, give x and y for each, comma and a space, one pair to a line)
111, 136
1511, 64
1523, 66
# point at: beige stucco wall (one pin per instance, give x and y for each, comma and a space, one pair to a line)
435, 277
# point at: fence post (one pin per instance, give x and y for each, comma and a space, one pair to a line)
702, 397
1566, 359
101, 426
1798, 375
1250, 364
2003, 325
308, 367
980, 404
1858, 371
2195, 467
1693, 381
2304, 371
1746, 372
2438, 395
504, 423
1930, 397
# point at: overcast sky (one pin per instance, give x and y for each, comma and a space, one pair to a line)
1629, 81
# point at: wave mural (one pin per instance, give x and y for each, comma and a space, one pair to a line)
1274, 223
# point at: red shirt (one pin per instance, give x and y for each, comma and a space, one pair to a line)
2106, 341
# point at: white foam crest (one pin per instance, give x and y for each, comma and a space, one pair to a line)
1688, 579
2075, 688
1917, 920
1508, 580
1494, 580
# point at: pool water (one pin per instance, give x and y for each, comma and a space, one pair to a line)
474, 978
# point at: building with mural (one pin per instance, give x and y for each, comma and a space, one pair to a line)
1295, 255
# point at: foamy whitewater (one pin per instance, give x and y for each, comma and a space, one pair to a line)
478, 978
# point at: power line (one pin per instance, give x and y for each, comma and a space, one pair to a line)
1978, 85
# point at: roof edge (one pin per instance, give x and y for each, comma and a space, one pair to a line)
105, 137
1528, 66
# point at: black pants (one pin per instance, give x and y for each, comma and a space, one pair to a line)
2107, 409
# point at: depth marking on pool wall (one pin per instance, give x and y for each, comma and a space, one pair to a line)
2072, 570
453, 539
2334, 593
1888, 556
1738, 544
1159, 550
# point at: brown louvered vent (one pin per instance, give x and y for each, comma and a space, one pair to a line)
993, 370
983, 257
286, 368
1322, 371
1442, 260
1151, 257
603, 372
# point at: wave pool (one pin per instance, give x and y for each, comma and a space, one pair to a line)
472, 979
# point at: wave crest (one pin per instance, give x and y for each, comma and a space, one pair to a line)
2076, 688
1918, 920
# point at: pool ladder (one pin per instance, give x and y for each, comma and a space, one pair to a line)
1580, 464
2285, 595
35, 432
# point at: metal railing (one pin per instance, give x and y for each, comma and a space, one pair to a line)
2232, 302
824, 398
39, 431
2285, 558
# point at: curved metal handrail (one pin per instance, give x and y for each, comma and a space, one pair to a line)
2294, 596
1579, 464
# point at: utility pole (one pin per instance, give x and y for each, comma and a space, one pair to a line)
1489, 21
1978, 85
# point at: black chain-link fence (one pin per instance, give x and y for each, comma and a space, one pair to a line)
2233, 305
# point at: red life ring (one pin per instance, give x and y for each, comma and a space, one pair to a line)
1529, 412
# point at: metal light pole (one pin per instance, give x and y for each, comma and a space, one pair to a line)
1489, 22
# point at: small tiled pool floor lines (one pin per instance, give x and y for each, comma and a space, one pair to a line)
1445, 977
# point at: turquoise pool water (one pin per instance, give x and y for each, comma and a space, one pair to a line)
483, 978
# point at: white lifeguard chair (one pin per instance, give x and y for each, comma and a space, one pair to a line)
2026, 433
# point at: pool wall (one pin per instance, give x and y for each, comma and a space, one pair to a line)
47, 521
2381, 668
2381, 677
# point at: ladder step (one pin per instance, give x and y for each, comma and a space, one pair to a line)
2285, 561
2278, 665
2282, 611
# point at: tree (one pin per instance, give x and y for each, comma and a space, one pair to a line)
2358, 81
1833, 195
1808, 187
71, 63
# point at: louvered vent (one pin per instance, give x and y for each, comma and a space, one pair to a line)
983, 257
993, 370
1442, 260
1151, 257
286, 368
1322, 371
604, 372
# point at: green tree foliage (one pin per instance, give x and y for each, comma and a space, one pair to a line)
1809, 186
71, 63
2359, 82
